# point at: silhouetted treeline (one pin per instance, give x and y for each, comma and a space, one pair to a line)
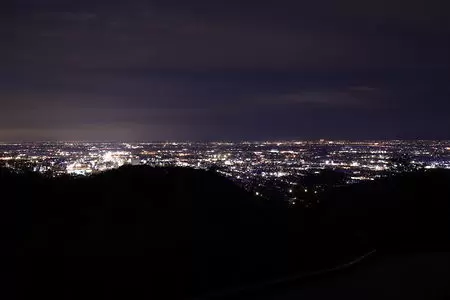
176, 232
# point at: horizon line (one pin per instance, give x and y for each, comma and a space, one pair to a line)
221, 141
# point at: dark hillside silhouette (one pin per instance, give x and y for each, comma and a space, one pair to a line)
405, 212
152, 230
181, 232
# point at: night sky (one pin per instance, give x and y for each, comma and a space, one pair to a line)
224, 70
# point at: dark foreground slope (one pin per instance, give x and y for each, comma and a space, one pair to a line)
405, 219
407, 212
173, 232
141, 230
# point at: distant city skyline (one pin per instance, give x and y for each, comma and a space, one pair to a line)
253, 165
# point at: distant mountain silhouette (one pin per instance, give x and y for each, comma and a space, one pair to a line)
181, 232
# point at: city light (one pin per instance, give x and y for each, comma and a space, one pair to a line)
250, 164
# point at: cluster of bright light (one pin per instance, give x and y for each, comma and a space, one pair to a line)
243, 161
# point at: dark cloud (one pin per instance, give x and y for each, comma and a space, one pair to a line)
235, 69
